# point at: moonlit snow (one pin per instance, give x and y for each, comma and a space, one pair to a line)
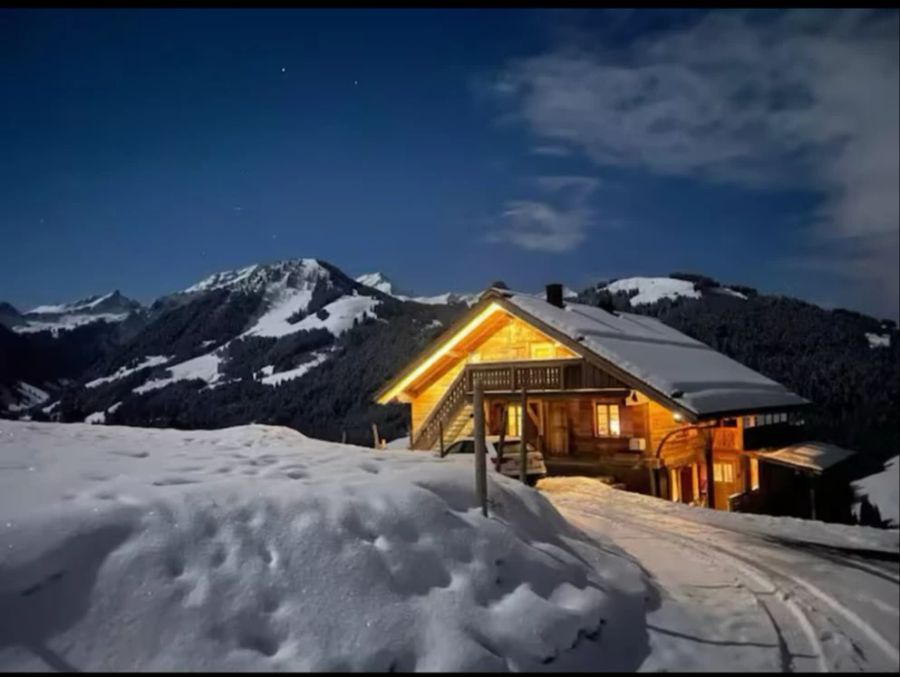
256, 548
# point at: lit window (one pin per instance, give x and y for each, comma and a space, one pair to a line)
514, 420
542, 351
723, 472
607, 420
754, 474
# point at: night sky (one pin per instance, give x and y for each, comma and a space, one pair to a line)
144, 150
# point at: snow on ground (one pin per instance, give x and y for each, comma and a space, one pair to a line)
56, 309
223, 279
737, 592
443, 299
878, 340
377, 281
727, 291
122, 372
883, 490
66, 322
271, 379
256, 548
341, 314
204, 367
29, 396
652, 289
100, 416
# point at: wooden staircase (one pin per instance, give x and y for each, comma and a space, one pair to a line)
461, 425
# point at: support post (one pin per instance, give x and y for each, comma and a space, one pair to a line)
410, 427
812, 498
654, 491
343, 437
523, 452
375, 435
480, 451
710, 475
441, 436
502, 435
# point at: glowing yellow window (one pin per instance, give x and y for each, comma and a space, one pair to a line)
542, 351
723, 472
606, 420
514, 420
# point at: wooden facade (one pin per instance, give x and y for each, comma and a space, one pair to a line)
584, 415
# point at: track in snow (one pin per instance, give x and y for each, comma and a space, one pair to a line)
734, 600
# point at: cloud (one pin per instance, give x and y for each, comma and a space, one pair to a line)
557, 223
802, 98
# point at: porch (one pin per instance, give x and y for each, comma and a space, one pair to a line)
581, 418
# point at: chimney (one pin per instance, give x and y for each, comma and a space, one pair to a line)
555, 295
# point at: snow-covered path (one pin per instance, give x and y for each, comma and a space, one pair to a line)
744, 592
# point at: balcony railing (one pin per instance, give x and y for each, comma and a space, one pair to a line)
538, 375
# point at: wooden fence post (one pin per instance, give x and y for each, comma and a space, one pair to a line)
375, 434
441, 433
523, 452
343, 437
480, 451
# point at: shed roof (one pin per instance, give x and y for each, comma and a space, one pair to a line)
814, 456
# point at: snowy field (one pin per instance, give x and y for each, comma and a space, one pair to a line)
735, 592
256, 548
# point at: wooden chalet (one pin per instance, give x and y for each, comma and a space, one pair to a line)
606, 393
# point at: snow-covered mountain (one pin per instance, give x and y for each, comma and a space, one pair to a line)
650, 290
380, 282
245, 335
111, 307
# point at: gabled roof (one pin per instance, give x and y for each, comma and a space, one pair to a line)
680, 371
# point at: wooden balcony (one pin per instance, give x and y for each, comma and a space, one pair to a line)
537, 376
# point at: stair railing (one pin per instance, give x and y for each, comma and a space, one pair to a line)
442, 414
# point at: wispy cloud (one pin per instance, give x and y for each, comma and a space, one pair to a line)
800, 98
556, 223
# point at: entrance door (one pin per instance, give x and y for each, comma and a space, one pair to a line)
558, 429
725, 479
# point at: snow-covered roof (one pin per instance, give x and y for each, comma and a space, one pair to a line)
815, 456
683, 369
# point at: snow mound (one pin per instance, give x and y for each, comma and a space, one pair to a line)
256, 548
653, 289
883, 491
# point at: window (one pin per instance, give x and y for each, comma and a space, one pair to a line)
514, 420
754, 474
723, 472
542, 351
606, 420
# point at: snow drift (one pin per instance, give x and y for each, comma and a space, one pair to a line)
256, 548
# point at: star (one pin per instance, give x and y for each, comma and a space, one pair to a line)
283, 69
356, 82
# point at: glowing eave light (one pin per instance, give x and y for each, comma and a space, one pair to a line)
440, 352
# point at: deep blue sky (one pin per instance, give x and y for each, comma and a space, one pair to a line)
143, 150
